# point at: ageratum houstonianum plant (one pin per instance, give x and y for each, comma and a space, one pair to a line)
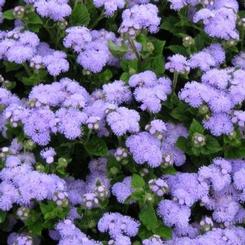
122, 122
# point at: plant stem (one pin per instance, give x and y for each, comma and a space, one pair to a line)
242, 38
175, 81
132, 45
27, 69
101, 16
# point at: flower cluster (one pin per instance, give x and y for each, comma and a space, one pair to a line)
122, 122
217, 189
56, 10
20, 46
221, 91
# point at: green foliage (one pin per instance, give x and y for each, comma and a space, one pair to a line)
138, 182
80, 15
45, 218
96, 146
209, 147
149, 219
116, 50
3, 216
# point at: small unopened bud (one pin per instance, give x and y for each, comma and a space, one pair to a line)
241, 22
150, 47
167, 160
29, 145
23, 213
114, 171
4, 152
203, 110
158, 186
232, 135
149, 197
62, 24
230, 43
62, 162
198, 140
61, 198
101, 192
121, 153
144, 172
90, 200
19, 12
86, 72
206, 224
40, 167
188, 41
207, 2
2, 79
93, 123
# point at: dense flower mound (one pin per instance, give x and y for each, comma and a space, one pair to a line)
122, 122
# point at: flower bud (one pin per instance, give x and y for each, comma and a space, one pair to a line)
167, 160
93, 123
19, 12
198, 140
90, 200
101, 192
61, 198
241, 23
23, 213
29, 145
121, 153
158, 186
188, 41
114, 171
62, 162
203, 110
206, 224
144, 172
62, 24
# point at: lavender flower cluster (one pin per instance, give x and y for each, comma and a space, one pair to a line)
122, 122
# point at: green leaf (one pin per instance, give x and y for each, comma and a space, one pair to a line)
34, 223
169, 24
3, 216
148, 217
128, 65
9, 66
102, 77
51, 211
155, 63
33, 18
80, 15
116, 50
163, 231
96, 146
181, 112
183, 144
137, 182
212, 145
8, 15
169, 170
125, 76
233, 153
178, 49
158, 46
34, 79
196, 127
